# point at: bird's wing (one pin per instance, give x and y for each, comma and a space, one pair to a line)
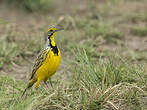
39, 61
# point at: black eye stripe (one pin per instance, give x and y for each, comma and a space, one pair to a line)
51, 30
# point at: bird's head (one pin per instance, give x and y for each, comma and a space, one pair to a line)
53, 30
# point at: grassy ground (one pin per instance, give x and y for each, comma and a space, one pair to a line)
104, 56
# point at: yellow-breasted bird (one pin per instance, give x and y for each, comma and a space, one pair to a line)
47, 61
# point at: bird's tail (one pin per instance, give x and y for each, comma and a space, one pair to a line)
31, 83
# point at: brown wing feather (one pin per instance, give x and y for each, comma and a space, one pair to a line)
41, 57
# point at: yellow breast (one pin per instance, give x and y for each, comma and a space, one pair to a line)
49, 66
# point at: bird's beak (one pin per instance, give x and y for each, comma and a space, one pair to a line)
59, 28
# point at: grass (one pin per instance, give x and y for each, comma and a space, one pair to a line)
101, 29
12, 44
8, 52
32, 5
101, 67
139, 31
106, 84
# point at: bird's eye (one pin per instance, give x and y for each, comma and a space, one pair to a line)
51, 30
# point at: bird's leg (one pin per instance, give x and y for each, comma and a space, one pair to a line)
51, 82
46, 85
